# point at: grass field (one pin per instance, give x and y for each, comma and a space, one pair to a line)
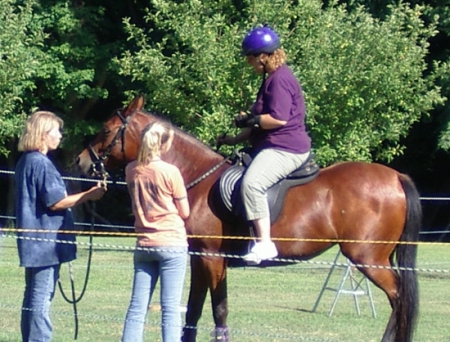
266, 304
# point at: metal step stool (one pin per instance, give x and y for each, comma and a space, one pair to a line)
358, 287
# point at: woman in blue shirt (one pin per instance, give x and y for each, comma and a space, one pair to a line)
42, 210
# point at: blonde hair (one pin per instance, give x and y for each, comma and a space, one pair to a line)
275, 60
156, 139
37, 125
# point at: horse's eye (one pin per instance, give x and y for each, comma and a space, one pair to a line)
106, 131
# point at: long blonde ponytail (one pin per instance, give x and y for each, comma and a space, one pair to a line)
156, 138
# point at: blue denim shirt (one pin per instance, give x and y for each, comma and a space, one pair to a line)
39, 185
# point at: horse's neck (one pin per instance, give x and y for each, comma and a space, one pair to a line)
192, 157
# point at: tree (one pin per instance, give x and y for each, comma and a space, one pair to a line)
363, 77
20, 44
74, 63
426, 158
70, 69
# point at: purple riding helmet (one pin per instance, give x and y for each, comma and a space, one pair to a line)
260, 40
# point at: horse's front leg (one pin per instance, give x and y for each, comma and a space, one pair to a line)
196, 300
219, 302
207, 272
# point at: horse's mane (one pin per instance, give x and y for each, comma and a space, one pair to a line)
185, 136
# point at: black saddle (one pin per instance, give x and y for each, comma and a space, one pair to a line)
229, 186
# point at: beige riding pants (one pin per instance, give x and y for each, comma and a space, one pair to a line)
266, 169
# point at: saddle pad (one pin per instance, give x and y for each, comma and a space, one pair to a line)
228, 182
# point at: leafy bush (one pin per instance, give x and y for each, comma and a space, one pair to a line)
363, 78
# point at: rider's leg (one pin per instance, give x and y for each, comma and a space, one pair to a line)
267, 168
264, 248
262, 227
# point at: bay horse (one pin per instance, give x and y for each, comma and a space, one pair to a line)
371, 211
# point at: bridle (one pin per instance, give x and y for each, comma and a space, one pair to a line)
98, 165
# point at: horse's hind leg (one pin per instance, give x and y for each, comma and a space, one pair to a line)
386, 279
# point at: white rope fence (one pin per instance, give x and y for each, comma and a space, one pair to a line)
230, 256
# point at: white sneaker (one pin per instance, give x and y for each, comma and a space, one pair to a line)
261, 251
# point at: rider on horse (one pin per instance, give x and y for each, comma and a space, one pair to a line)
275, 127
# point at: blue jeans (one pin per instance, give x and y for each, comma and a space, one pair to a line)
40, 283
169, 263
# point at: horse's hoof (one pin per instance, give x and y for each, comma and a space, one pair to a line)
189, 334
220, 335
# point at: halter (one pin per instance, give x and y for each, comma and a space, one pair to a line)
98, 166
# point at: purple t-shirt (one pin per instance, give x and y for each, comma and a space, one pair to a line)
281, 96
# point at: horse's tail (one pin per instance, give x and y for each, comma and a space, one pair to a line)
407, 300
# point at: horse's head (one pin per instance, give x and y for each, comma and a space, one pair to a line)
117, 142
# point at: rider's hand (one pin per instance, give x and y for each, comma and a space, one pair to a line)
225, 140
246, 120
240, 120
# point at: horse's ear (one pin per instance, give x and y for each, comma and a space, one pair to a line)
135, 105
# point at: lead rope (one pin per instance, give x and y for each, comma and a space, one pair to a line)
75, 300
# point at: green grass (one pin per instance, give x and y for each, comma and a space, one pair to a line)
265, 304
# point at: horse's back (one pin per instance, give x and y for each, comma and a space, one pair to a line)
361, 181
361, 171
349, 200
